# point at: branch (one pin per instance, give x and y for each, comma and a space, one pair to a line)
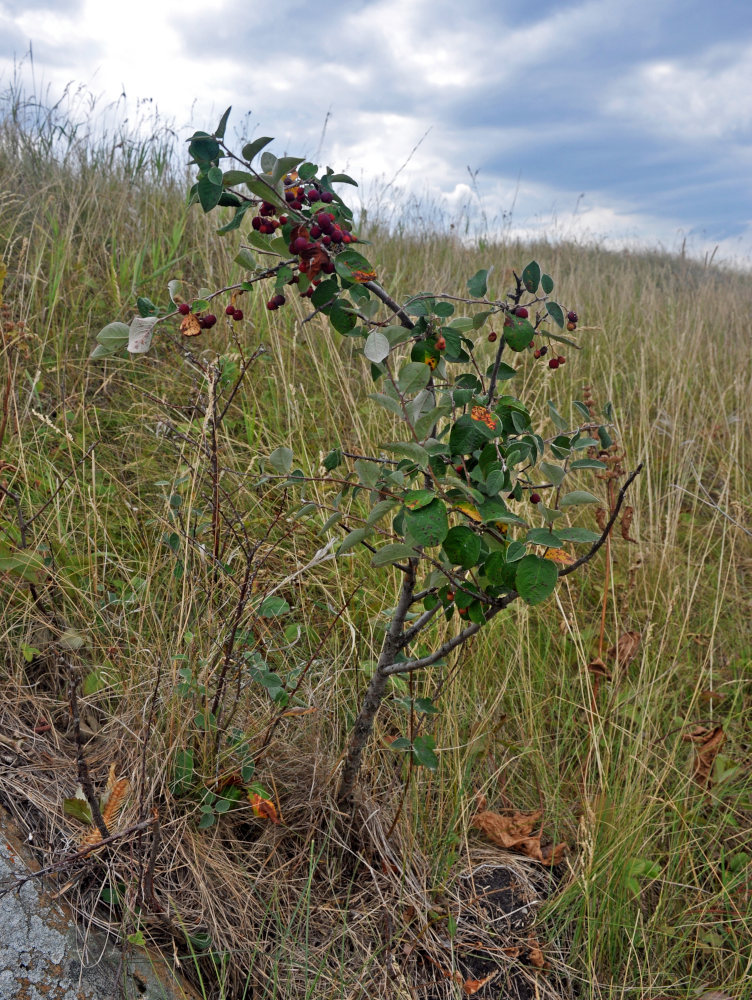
396, 308
607, 530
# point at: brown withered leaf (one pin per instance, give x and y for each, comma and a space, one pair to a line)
471, 986
599, 669
626, 524
535, 956
311, 261
707, 744
560, 556
601, 516
515, 833
189, 325
625, 649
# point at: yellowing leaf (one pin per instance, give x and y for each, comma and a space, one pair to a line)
470, 509
560, 556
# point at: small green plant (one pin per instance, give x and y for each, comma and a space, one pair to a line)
468, 501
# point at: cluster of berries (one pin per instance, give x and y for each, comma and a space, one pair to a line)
233, 313
206, 322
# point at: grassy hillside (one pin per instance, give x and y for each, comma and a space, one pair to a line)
105, 481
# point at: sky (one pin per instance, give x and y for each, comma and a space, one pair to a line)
623, 121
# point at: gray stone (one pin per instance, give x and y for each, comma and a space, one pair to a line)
41, 951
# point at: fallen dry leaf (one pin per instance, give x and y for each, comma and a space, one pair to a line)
471, 986
263, 807
707, 744
190, 326
515, 833
535, 956
625, 649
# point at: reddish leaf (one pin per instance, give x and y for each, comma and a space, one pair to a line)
707, 744
515, 833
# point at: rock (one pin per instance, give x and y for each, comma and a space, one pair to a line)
42, 955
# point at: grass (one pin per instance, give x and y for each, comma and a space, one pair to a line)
104, 461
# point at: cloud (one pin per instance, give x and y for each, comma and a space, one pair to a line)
707, 97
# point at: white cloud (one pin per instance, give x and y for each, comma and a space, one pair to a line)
707, 97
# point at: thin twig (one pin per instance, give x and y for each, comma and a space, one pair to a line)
606, 531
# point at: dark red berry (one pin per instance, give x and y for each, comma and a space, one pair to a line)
279, 299
237, 315
536, 354
315, 232
326, 240
297, 204
492, 337
572, 316
271, 305
328, 267
535, 498
230, 311
561, 359
283, 220
327, 197
289, 196
522, 312
299, 244
184, 309
440, 344
337, 236
257, 222
544, 350
553, 363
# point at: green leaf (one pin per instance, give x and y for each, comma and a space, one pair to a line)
393, 405
245, 259
367, 472
284, 165
341, 179
426, 706
376, 347
204, 149
547, 284
182, 773
559, 422
273, 607
333, 459
78, 808
519, 334
409, 449
111, 338
427, 525
588, 463
413, 377
380, 510
605, 438
462, 546
352, 539
392, 553
531, 277
542, 536
577, 497
515, 551
252, 149
209, 193
281, 460
22, 563
554, 473
467, 435
535, 579
556, 313
415, 499
219, 132
423, 749
577, 535
444, 309
478, 284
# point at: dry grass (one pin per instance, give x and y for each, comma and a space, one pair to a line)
317, 905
